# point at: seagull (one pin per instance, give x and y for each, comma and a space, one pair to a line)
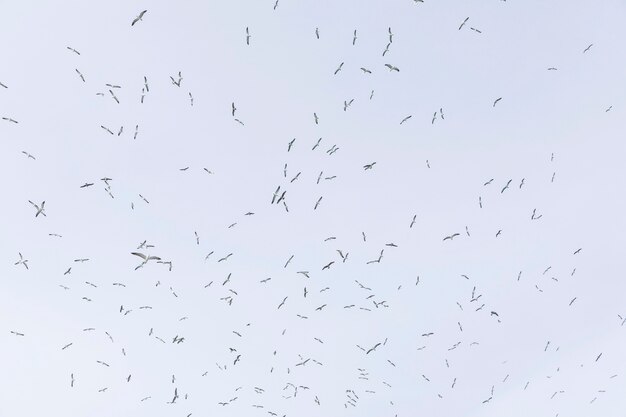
317, 33
40, 210
386, 49
138, 18
406, 118
369, 166
87, 184
22, 261
145, 258
338, 68
366, 71
28, 155
464, 22
107, 129
354, 38
451, 236
180, 78
390, 35
587, 48
476, 30
9, 119
347, 104
413, 221
506, 186
2, 85
552, 69
316, 118
317, 203
392, 68
73, 50
80, 74
496, 101
247, 36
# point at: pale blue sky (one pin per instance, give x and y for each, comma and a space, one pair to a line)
278, 82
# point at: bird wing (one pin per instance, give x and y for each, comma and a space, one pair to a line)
154, 257
141, 255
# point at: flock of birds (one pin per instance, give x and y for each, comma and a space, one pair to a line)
364, 298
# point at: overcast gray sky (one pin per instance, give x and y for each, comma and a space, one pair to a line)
518, 320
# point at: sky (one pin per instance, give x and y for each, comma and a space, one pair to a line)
522, 313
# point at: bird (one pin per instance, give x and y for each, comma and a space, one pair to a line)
587, 48
354, 38
464, 22
22, 261
365, 70
317, 33
316, 118
386, 49
317, 203
406, 118
233, 108
392, 68
369, 166
413, 221
28, 155
247, 36
87, 184
180, 78
40, 210
496, 101
145, 258
338, 68
451, 236
138, 18
80, 74
506, 186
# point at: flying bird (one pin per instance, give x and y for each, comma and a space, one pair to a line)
138, 18
392, 68
451, 236
338, 68
40, 210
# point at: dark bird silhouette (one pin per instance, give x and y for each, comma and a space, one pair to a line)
138, 18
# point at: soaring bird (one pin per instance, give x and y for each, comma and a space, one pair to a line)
464, 22
40, 210
496, 101
451, 236
138, 18
145, 258
338, 68
392, 68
